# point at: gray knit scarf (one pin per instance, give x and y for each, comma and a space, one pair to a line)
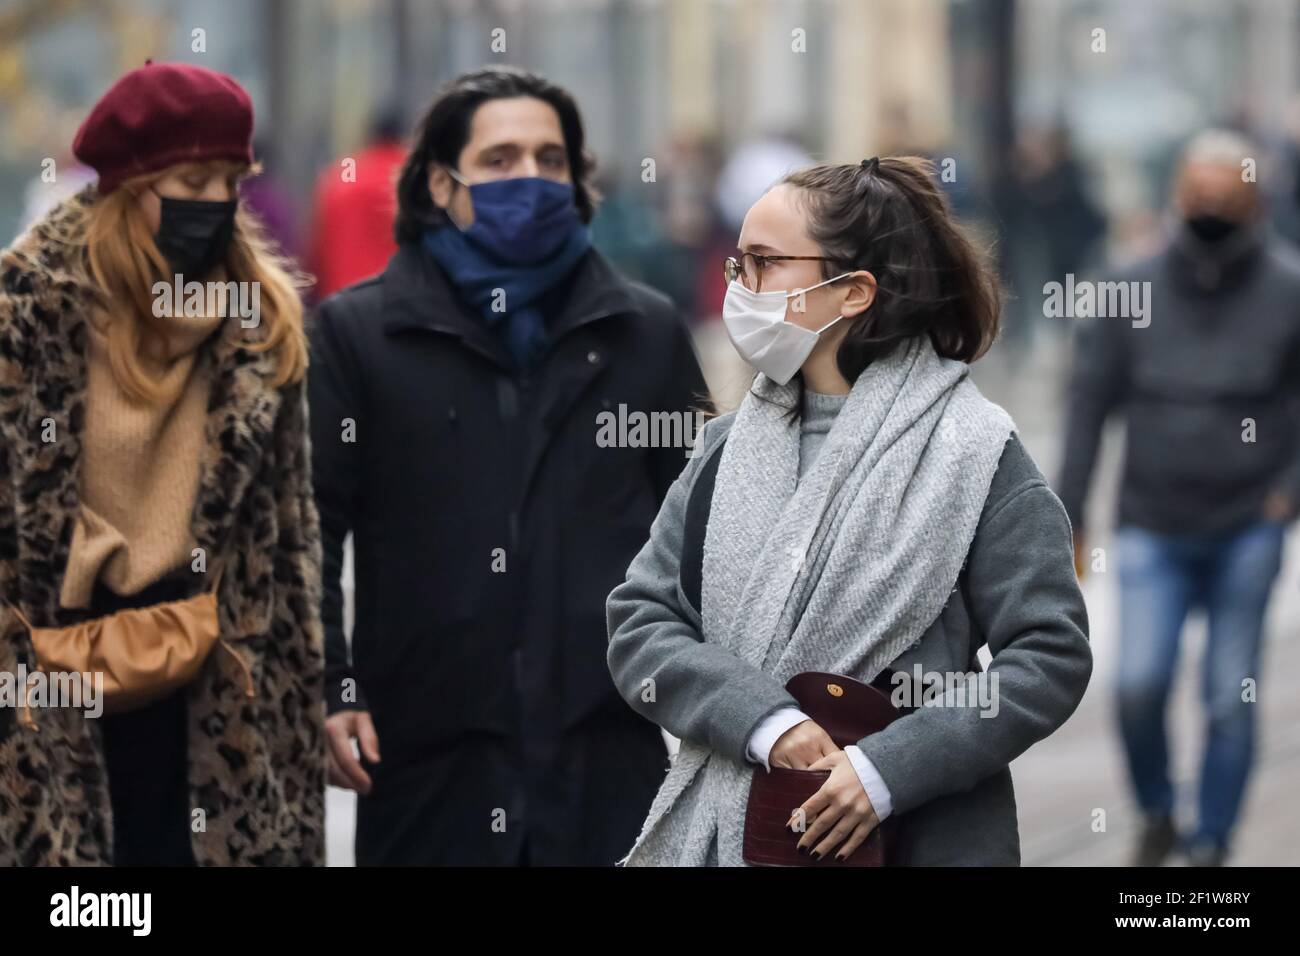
840, 572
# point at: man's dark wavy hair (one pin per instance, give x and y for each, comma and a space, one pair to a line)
444, 131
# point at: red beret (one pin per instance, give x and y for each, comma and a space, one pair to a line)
163, 114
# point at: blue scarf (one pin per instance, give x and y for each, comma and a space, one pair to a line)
480, 277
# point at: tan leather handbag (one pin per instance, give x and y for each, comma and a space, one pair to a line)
143, 653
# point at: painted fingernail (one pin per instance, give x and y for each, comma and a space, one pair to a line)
803, 849
816, 855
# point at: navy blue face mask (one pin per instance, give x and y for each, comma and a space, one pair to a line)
521, 221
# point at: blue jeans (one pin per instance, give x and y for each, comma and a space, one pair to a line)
1162, 577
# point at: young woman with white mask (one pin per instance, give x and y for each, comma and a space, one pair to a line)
865, 513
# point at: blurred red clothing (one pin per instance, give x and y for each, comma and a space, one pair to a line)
352, 231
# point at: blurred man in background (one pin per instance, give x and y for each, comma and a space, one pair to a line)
268, 195
456, 402
352, 233
1053, 225
1208, 385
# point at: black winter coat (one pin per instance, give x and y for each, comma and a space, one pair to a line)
489, 526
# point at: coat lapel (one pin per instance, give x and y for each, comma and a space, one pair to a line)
242, 410
418, 296
577, 354
47, 429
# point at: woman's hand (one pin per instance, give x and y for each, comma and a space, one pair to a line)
801, 746
839, 813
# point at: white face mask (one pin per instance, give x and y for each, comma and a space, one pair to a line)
757, 327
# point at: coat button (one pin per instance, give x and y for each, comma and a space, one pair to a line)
593, 357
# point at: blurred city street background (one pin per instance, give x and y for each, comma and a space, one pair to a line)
1060, 154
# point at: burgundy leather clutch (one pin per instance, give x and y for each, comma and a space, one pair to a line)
848, 710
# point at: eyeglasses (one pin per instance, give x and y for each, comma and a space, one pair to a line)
749, 267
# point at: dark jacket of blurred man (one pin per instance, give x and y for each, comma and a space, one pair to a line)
457, 402
353, 212
1207, 382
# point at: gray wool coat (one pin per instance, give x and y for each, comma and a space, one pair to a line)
946, 767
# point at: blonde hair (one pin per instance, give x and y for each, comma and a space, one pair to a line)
125, 263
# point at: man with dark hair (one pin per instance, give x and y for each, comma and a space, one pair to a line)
457, 402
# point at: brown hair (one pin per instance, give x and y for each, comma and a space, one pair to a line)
889, 218
125, 263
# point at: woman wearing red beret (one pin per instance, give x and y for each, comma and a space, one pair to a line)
153, 457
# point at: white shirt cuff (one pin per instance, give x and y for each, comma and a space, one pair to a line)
769, 731
872, 782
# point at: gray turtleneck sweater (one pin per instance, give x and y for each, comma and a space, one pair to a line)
819, 413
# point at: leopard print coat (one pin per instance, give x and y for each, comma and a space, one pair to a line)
256, 766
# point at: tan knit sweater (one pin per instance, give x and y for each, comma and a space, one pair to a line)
140, 465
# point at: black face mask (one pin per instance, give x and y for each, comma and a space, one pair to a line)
193, 234
1210, 228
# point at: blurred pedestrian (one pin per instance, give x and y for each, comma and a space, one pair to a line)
269, 198
1282, 188
457, 402
1208, 384
352, 223
865, 484
1053, 225
153, 460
